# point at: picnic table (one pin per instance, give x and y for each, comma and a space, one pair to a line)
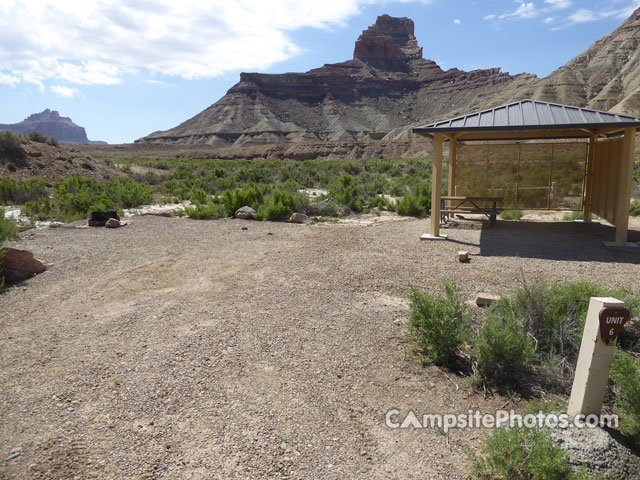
471, 205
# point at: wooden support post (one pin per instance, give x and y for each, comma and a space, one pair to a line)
436, 184
624, 188
453, 158
594, 361
593, 138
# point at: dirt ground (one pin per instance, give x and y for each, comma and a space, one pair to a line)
182, 349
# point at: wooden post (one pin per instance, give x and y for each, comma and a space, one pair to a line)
593, 138
453, 158
624, 188
436, 184
594, 361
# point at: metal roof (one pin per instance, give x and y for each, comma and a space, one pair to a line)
531, 115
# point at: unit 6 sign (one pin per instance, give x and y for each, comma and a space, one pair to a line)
611, 322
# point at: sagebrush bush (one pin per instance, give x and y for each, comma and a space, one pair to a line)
511, 214
206, 211
416, 203
277, 206
625, 373
250, 196
37, 137
438, 326
634, 207
503, 350
8, 229
522, 454
11, 146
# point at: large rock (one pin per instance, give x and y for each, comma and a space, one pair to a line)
299, 218
245, 213
17, 265
599, 451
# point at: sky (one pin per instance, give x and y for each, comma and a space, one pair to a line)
126, 68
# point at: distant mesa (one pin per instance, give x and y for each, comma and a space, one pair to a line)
389, 87
50, 124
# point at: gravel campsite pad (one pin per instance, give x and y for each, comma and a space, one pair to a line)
174, 348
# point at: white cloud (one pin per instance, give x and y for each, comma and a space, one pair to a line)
549, 20
559, 4
489, 17
457, 21
524, 11
99, 41
10, 80
66, 92
583, 16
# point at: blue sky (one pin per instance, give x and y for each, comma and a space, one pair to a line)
125, 68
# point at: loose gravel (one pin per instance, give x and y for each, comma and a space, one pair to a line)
182, 349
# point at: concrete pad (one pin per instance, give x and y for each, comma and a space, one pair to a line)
628, 245
428, 236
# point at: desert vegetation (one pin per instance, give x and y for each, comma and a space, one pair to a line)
528, 343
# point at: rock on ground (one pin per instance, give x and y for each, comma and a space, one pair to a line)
19, 265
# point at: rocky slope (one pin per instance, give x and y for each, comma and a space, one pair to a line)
50, 124
604, 77
388, 87
385, 87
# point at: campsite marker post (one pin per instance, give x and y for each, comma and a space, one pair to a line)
605, 318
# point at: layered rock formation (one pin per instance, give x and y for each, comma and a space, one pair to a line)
383, 89
604, 77
388, 87
50, 124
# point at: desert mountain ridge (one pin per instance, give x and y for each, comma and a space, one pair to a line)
50, 124
388, 87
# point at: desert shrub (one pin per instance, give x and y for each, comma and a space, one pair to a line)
625, 372
127, 193
205, 211
381, 203
11, 146
417, 203
511, 214
37, 137
570, 217
250, 195
277, 206
503, 350
8, 229
14, 192
40, 209
345, 192
438, 326
325, 207
197, 196
11, 167
53, 142
76, 197
522, 454
634, 207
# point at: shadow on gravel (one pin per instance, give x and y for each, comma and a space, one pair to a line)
573, 241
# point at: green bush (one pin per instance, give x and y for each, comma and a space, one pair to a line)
11, 167
345, 192
522, 454
11, 146
511, 214
625, 372
280, 205
37, 137
127, 193
206, 211
250, 196
8, 229
503, 350
40, 209
16, 192
634, 208
570, 217
438, 326
417, 203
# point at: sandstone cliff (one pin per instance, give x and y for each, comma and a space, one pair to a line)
50, 124
383, 89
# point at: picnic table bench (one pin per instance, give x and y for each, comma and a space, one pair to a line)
471, 205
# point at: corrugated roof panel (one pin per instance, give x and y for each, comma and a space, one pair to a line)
514, 113
501, 117
531, 113
486, 119
472, 120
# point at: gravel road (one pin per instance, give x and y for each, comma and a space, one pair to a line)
181, 349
